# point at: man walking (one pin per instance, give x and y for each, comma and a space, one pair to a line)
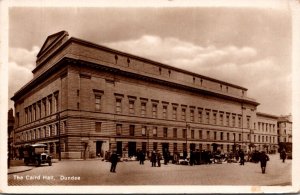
114, 160
283, 155
263, 161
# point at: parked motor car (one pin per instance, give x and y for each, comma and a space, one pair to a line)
36, 154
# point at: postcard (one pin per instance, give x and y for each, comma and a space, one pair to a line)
150, 96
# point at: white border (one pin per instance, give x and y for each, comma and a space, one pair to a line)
295, 11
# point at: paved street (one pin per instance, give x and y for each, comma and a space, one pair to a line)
96, 172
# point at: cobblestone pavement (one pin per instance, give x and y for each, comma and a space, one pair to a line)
96, 172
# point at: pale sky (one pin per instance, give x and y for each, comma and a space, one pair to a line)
247, 46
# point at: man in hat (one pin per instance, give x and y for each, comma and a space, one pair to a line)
114, 160
263, 161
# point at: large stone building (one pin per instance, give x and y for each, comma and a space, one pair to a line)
285, 132
85, 99
266, 132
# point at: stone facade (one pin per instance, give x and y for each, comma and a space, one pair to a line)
86, 99
265, 136
285, 132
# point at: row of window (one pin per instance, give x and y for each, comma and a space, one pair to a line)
43, 132
266, 127
203, 115
208, 147
176, 133
42, 108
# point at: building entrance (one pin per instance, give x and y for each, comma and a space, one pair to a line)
131, 149
192, 147
215, 147
99, 151
119, 148
165, 148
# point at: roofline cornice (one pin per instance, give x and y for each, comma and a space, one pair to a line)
84, 42
90, 44
266, 115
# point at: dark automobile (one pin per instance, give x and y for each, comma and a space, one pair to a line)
36, 154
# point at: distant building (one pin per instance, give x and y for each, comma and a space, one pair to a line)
86, 99
10, 134
266, 132
285, 131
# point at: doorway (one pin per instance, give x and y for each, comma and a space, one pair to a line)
119, 148
165, 148
99, 151
215, 147
192, 147
131, 149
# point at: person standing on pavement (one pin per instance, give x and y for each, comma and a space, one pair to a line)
283, 155
263, 161
153, 158
192, 158
114, 160
176, 157
158, 158
142, 157
166, 156
242, 157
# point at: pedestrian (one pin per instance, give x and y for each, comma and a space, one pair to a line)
153, 158
158, 158
166, 157
197, 157
283, 155
176, 157
138, 154
242, 157
142, 157
263, 161
237, 156
192, 158
114, 160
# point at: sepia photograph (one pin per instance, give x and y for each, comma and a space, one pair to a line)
150, 97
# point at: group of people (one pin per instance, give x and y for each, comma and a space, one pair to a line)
141, 156
156, 157
197, 157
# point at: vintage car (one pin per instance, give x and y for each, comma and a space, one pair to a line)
36, 154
